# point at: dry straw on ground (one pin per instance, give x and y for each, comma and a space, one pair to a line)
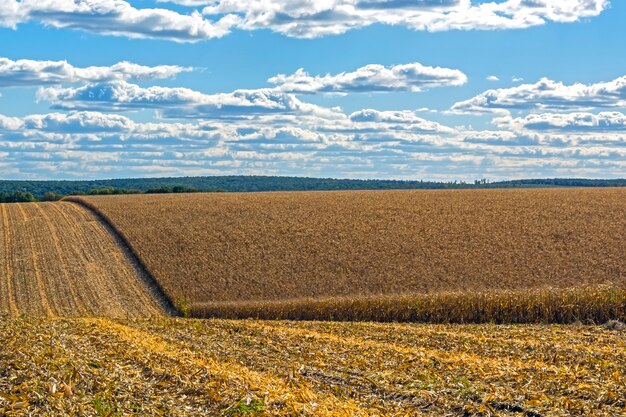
57, 259
470, 255
99, 367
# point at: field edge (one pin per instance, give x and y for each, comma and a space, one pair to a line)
155, 288
587, 299
588, 305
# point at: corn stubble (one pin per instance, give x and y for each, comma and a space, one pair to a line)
105, 367
506, 256
57, 259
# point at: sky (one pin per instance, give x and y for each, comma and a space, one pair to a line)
394, 89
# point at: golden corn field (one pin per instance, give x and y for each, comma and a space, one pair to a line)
530, 255
596, 304
59, 260
176, 367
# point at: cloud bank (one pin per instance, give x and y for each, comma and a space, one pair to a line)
26, 72
311, 19
118, 95
367, 143
371, 78
299, 18
274, 131
547, 94
178, 102
114, 17
567, 122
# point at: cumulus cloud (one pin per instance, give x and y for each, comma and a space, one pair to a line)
79, 122
493, 78
310, 19
547, 94
26, 72
368, 143
115, 17
179, 102
101, 127
300, 18
396, 120
371, 78
11, 13
10, 123
499, 137
577, 122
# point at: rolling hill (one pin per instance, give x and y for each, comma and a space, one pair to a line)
356, 255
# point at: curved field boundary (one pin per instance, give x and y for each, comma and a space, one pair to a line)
60, 260
142, 269
477, 256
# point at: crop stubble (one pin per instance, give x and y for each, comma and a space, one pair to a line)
219, 367
58, 260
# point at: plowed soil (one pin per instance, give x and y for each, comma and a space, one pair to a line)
58, 259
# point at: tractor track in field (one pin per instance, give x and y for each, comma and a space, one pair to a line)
8, 265
63, 260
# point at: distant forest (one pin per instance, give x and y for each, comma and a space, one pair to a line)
17, 191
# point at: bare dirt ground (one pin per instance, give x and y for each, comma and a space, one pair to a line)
58, 259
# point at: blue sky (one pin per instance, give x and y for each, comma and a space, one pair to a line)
407, 89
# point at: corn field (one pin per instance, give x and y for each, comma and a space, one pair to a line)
585, 305
529, 255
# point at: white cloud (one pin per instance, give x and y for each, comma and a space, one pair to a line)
547, 94
179, 102
396, 120
10, 123
299, 18
26, 72
578, 122
114, 17
368, 143
493, 78
501, 137
371, 78
11, 13
310, 19
80, 122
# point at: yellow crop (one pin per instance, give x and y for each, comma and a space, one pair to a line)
529, 255
97, 367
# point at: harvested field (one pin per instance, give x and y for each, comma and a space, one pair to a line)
59, 260
98, 367
343, 255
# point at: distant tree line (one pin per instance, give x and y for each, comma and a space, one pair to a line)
164, 189
17, 197
558, 182
28, 197
24, 191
